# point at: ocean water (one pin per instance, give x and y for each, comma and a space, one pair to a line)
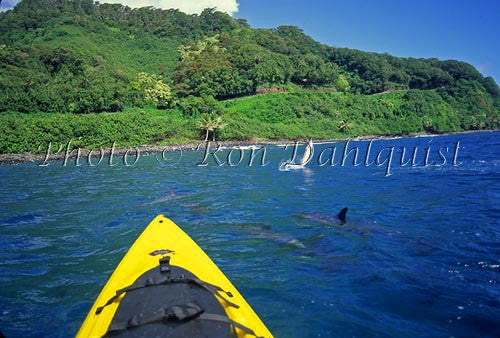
419, 255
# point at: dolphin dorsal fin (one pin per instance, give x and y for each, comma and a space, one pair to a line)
342, 214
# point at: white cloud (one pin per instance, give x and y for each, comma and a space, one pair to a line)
7, 4
187, 6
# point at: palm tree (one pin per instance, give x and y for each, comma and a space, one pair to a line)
210, 123
206, 123
218, 124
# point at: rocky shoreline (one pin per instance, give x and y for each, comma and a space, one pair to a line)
9, 159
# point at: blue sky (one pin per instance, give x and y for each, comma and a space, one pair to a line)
462, 30
447, 29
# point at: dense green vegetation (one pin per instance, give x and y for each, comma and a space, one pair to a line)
75, 56
300, 114
33, 132
65, 65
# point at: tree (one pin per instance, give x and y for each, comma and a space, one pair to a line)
210, 123
342, 84
154, 89
195, 106
491, 86
205, 123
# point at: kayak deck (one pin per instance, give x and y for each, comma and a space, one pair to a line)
164, 239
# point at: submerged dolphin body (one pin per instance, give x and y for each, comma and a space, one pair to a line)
264, 231
170, 197
314, 246
339, 219
360, 228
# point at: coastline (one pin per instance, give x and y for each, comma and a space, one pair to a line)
17, 158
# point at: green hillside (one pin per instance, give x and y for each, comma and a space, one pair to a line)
63, 63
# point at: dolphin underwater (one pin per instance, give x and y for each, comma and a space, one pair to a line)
339, 219
170, 197
361, 228
264, 231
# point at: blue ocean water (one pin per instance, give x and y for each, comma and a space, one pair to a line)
419, 255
